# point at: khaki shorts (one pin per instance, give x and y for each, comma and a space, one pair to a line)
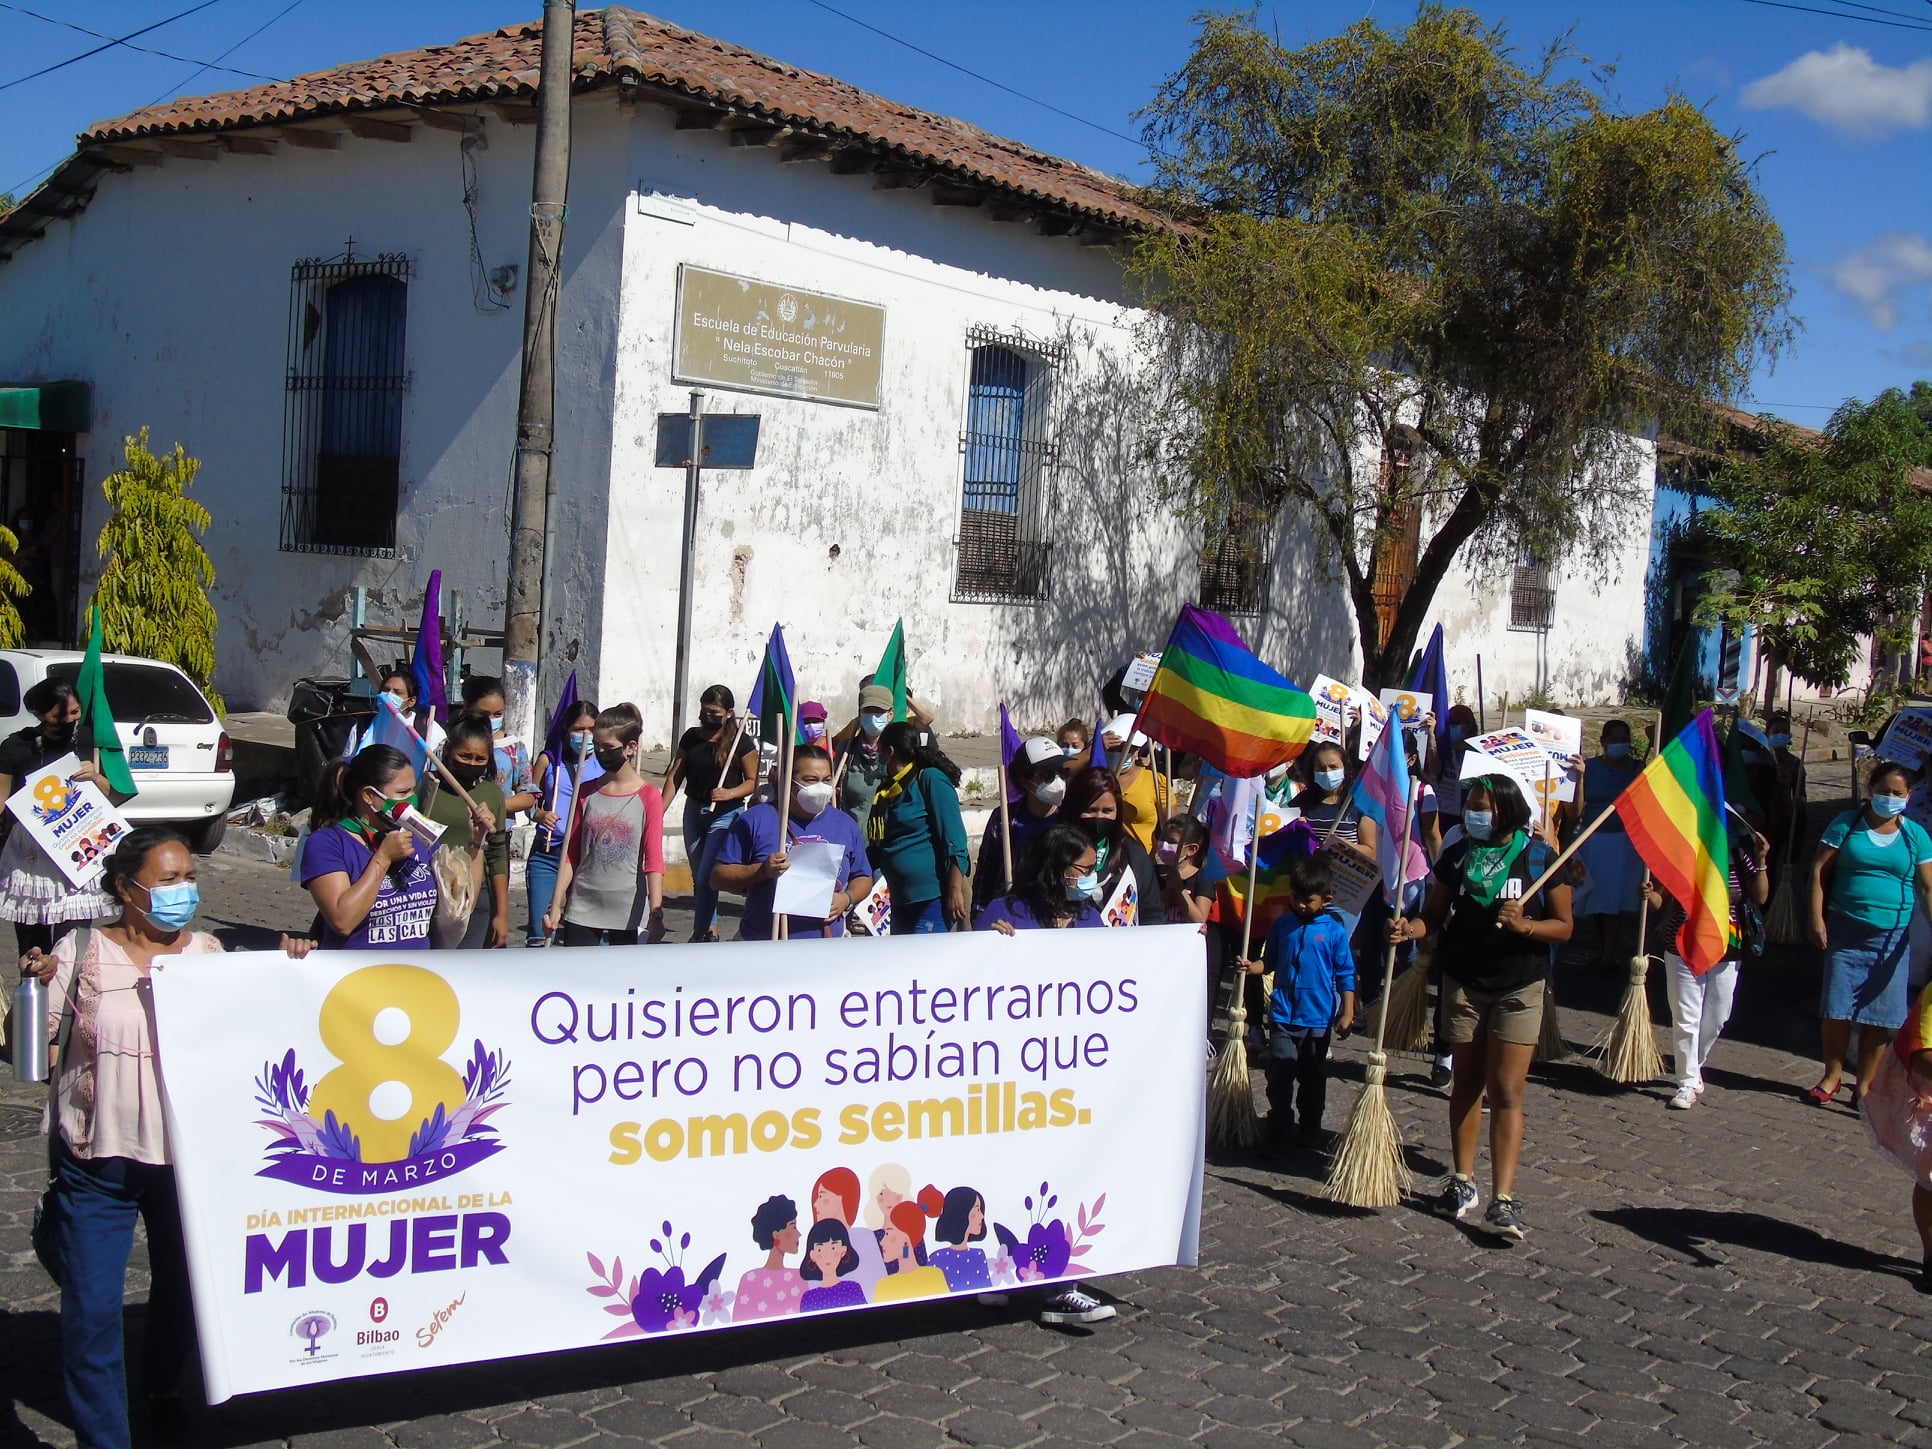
1471, 1016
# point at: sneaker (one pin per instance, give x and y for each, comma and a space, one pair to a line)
991, 1300
1685, 1099
1503, 1219
1070, 1305
1457, 1200
1440, 1076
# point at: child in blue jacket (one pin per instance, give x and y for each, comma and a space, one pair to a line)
1314, 998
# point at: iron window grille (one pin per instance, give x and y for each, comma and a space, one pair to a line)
1532, 596
1009, 452
1235, 560
342, 418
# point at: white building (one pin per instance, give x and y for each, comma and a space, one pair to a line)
308, 285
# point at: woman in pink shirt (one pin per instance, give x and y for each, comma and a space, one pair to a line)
110, 1138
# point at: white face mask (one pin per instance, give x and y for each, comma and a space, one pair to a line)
812, 798
1049, 792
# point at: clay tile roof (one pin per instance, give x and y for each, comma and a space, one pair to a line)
619, 46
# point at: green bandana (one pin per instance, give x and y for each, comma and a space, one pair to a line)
1486, 867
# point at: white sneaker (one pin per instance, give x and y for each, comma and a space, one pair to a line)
1070, 1305
1685, 1099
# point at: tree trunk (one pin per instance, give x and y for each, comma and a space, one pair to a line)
1387, 666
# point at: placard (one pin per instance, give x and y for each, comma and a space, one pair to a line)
758, 336
1374, 716
1908, 741
386, 1166
1140, 674
1355, 879
1123, 906
873, 915
1331, 698
71, 820
1560, 734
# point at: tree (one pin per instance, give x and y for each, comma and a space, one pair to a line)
154, 587
1819, 539
13, 588
1433, 296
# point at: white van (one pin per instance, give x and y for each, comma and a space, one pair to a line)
181, 759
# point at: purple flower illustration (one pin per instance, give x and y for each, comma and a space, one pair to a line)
665, 1301
1049, 1248
1046, 1252
660, 1299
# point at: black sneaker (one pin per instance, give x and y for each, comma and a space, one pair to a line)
1070, 1305
1440, 1076
1503, 1219
1457, 1200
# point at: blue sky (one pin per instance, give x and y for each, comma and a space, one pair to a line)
1836, 110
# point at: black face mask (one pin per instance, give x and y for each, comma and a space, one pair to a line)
61, 730
465, 775
711, 721
610, 761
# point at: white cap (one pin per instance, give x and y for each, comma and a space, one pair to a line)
1040, 749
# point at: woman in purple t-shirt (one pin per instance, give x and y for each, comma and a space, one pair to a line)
373, 882
1055, 886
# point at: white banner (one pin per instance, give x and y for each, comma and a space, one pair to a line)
390, 1164
71, 820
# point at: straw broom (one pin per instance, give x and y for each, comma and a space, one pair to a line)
1781, 919
1410, 1028
1368, 1170
1628, 1050
1232, 1121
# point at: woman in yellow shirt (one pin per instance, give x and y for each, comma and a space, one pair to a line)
902, 1243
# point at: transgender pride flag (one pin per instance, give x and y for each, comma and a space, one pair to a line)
1383, 795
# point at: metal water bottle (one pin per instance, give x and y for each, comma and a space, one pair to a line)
30, 1030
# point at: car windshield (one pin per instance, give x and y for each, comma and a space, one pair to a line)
145, 694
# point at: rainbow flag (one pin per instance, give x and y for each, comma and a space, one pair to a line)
1674, 812
1211, 697
1278, 853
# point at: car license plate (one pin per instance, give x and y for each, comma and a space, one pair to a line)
147, 757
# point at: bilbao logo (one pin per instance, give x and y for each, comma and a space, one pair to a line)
390, 1111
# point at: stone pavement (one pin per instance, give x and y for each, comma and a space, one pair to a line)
1734, 1275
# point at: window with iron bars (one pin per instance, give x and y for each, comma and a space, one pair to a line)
1532, 596
342, 418
1009, 452
1235, 559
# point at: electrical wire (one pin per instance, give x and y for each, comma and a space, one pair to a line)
112, 42
215, 64
1838, 14
144, 49
983, 79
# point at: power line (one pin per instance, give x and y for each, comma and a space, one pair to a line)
983, 79
214, 64
112, 42
1839, 14
1876, 10
144, 49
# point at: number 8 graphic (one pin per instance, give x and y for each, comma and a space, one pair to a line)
387, 1089
52, 795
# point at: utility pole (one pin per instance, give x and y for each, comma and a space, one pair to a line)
693, 470
537, 398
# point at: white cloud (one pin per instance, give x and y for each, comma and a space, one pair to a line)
1878, 274
1849, 91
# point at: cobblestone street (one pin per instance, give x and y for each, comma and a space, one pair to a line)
1738, 1274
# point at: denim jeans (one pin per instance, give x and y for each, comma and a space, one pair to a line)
98, 1204
921, 918
702, 841
540, 880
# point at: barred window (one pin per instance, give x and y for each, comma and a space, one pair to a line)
1532, 596
1008, 452
342, 421
1235, 559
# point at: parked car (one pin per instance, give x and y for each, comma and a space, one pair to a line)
180, 756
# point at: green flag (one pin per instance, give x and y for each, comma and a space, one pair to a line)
772, 703
1680, 698
891, 673
99, 719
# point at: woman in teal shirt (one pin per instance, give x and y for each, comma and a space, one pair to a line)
1880, 865
916, 837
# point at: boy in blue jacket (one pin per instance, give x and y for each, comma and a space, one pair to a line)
1314, 997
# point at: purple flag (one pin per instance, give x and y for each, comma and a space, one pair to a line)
1010, 743
1097, 756
1431, 677
426, 664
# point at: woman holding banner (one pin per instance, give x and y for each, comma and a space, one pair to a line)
1493, 948
916, 836
1038, 775
757, 851
1055, 886
110, 1147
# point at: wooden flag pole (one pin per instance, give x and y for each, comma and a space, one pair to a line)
1163, 785
1629, 1048
1006, 828
784, 803
1231, 1116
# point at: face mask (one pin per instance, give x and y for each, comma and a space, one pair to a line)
1781, 741
1049, 792
1069, 750
386, 807
612, 760
62, 729
710, 721
1477, 824
870, 723
496, 724
1886, 807
1457, 734
1330, 779
402, 701
581, 744
814, 732
1278, 773
1616, 752
465, 775
813, 798
1167, 852
1087, 888
172, 906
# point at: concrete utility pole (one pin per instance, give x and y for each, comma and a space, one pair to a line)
537, 400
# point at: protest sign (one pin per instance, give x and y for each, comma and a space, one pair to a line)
1123, 906
72, 821
1374, 716
1560, 734
1908, 740
386, 1166
873, 915
1411, 707
1355, 879
1513, 750
1331, 698
1140, 674
810, 879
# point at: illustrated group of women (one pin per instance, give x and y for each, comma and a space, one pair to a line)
1077, 825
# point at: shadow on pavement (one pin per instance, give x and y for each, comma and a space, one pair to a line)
1691, 1231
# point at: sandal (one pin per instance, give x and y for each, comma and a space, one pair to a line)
1819, 1097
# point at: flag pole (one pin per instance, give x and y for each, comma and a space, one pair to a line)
1231, 1115
784, 803
1006, 824
1629, 1047
576, 813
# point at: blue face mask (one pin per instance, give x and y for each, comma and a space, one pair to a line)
580, 744
1780, 741
1617, 752
1888, 807
1087, 888
172, 906
1330, 779
1477, 824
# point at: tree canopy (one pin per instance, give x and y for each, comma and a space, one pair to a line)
1821, 539
1434, 294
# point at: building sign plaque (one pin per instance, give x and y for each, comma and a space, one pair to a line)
757, 336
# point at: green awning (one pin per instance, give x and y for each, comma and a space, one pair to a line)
52, 407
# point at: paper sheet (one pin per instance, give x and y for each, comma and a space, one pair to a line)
806, 887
